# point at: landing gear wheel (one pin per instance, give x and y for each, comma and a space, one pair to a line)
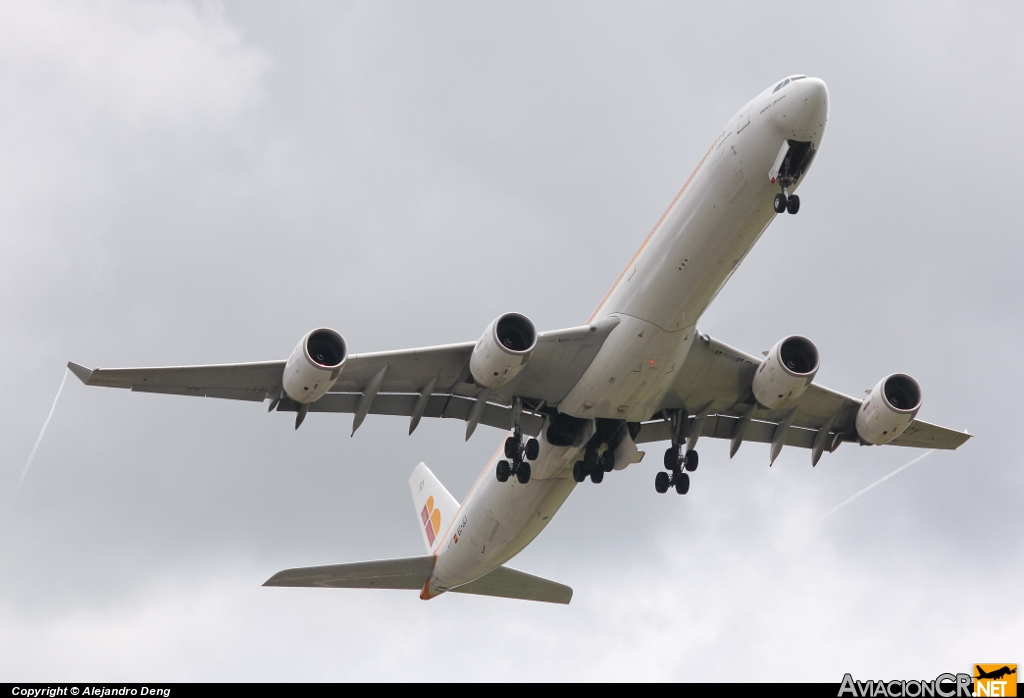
793, 204
596, 476
682, 483
532, 449
672, 458
511, 447
590, 459
780, 203
503, 471
661, 482
579, 471
690, 462
608, 461
523, 473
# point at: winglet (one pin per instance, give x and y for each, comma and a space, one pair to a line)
84, 374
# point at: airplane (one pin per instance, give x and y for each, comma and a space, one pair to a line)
994, 674
578, 402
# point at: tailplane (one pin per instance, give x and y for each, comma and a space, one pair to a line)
413, 572
435, 510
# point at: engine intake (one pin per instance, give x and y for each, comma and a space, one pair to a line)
314, 366
785, 372
503, 350
889, 409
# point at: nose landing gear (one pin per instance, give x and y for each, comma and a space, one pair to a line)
793, 160
787, 202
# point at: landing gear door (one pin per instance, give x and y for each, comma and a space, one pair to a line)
743, 120
773, 174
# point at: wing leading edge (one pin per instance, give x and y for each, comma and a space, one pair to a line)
442, 372
715, 380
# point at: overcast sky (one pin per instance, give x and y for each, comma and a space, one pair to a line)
203, 182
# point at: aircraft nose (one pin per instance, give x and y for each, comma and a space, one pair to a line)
805, 115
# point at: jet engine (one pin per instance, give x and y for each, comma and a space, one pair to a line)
503, 350
785, 372
889, 409
314, 365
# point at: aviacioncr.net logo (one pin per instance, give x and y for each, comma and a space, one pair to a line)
995, 679
942, 686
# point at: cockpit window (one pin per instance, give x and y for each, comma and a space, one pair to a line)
798, 77
780, 85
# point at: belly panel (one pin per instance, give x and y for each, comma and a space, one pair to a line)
498, 520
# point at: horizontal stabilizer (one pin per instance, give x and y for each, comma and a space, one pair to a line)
508, 583
400, 573
413, 572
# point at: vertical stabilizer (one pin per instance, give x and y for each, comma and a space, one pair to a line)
435, 506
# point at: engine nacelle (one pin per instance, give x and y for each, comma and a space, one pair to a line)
503, 350
889, 409
785, 372
314, 365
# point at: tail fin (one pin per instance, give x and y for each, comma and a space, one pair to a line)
435, 506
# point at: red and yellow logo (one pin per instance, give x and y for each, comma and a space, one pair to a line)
432, 521
995, 679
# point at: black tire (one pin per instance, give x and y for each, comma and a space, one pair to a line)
596, 476
780, 203
590, 459
682, 483
672, 458
579, 471
503, 471
661, 482
532, 449
793, 204
691, 461
511, 447
523, 473
608, 461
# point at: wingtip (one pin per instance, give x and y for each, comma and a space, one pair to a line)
84, 374
275, 579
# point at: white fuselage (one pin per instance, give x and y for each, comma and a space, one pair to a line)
706, 232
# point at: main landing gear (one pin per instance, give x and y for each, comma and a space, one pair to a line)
680, 458
519, 452
676, 461
593, 465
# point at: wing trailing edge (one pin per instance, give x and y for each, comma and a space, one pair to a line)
411, 573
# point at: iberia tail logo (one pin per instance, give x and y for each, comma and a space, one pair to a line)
995, 679
431, 520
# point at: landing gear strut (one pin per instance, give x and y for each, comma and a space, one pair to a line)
518, 451
784, 201
678, 457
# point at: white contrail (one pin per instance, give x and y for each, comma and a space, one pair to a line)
40, 439
843, 503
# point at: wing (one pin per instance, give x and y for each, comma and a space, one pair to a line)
442, 372
715, 381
